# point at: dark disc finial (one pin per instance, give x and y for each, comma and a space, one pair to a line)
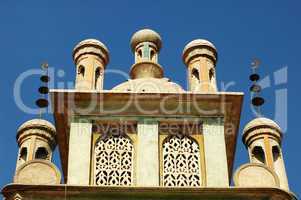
43, 90
45, 78
257, 101
42, 103
254, 77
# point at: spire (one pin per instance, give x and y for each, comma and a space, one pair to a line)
255, 89
42, 102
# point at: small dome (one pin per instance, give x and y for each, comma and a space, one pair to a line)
37, 123
151, 85
99, 49
146, 35
92, 42
198, 42
197, 48
262, 122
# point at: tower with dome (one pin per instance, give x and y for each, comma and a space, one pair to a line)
147, 138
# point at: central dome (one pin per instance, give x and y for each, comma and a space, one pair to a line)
146, 35
151, 85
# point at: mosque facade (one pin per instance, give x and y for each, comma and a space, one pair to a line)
147, 138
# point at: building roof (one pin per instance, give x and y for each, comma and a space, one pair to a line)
140, 193
155, 85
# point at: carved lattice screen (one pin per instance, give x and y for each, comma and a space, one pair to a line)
113, 164
181, 162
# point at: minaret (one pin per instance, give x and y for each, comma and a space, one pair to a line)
90, 57
146, 45
37, 140
200, 57
263, 138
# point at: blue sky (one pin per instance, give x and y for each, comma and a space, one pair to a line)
34, 31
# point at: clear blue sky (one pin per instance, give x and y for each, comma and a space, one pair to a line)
34, 31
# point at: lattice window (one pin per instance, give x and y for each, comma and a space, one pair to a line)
181, 162
113, 161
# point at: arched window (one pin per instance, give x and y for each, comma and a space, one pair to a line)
97, 78
211, 74
23, 154
195, 75
81, 70
258, 155
152, 54
181, 162
41, 153
140, 53
276, 153
113, 161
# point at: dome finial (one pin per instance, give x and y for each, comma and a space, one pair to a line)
146, 35
146, 45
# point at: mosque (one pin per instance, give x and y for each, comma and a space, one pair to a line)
147, 138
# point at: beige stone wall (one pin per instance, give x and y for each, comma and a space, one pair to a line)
148, 158
215, 153
279, 166
79, 153
147, 153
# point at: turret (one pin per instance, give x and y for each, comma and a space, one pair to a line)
146, 45
37, 140
263, 139
90, 57
200, 57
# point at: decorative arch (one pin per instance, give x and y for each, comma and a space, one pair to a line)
276, 153
181, 162
195, 74
23, 154
42, 153
81, 70
113, 161
98, 74
258, 155
211, 74
152, 55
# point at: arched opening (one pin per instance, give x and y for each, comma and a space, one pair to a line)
276, 153
258, 154
195, 74
140, 53
152, 54
97, 78
113, 161
81, 70
23, 154
211, 74
41, 153
181, 162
